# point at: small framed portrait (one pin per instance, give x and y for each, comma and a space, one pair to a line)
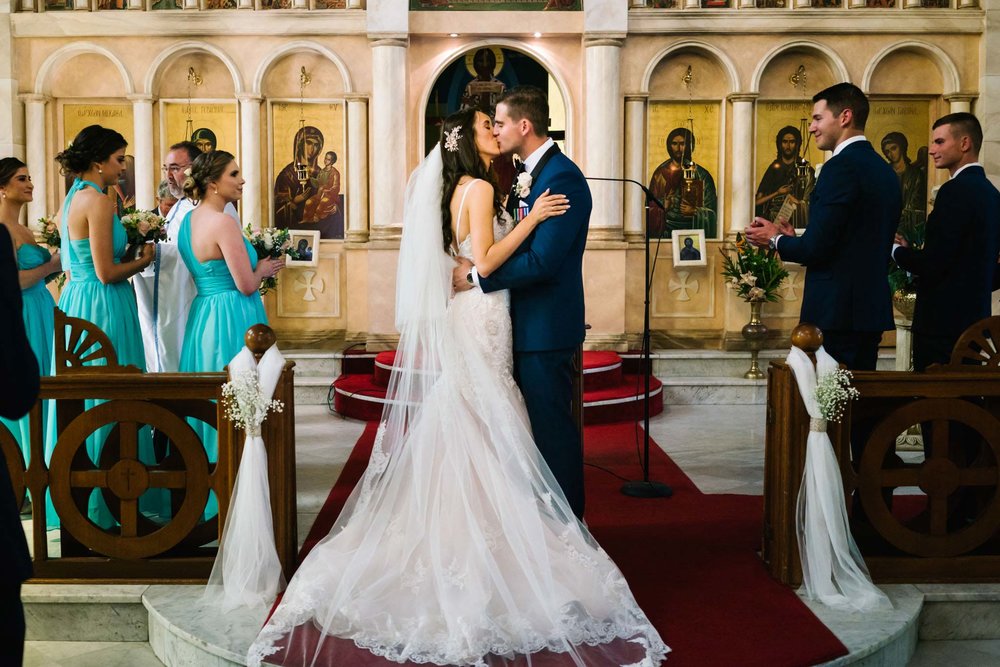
306, 244
689, 247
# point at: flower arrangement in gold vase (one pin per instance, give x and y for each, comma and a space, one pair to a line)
756, 274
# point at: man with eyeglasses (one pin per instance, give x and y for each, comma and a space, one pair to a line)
165, 290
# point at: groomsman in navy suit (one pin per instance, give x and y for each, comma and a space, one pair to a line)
956, 267
853, 213
545, 279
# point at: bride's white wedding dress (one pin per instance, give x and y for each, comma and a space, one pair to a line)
460, 549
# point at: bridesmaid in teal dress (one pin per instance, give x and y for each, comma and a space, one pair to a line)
34, 264
226, 274
94, 247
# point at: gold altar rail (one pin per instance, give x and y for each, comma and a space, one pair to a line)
137, 547
952, 532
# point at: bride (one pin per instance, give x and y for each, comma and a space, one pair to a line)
457, 547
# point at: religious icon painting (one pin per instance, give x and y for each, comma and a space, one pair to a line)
117, 117
210, 125
496, 5
309, 167
899, 130
305, 243
785, 160
682, 163
689, 247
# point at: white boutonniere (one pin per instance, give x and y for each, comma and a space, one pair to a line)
523, 186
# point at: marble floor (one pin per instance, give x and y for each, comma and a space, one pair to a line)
721, 447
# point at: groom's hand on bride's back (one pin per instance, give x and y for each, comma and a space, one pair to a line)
459, 276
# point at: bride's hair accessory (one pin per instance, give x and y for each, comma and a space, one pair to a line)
451, 138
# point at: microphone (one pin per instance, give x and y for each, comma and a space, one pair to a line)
644, 488
650, 197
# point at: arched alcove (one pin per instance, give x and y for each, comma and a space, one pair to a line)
475, 76
911, 69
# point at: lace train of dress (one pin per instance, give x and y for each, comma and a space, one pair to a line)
461, 549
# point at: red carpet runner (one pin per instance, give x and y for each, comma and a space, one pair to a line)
691, 560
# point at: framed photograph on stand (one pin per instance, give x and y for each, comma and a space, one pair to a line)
689, 247
306, 243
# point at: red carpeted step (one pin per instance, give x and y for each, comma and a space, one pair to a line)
632, 362
383, 367
623, 402
601, 369
358, 397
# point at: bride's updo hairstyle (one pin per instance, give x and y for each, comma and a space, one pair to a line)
460, 157
206, 169
93, 144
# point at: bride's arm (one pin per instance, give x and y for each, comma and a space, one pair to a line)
490, 254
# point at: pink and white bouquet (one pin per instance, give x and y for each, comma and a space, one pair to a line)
47, 229
144, 227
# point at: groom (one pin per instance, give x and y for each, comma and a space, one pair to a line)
545, 279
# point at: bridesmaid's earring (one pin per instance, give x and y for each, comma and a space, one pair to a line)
100, 171
215, 190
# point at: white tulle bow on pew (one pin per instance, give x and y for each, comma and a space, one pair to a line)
833, 571
247, 572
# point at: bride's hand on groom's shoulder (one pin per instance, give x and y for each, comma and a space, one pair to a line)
459, 276
549, 206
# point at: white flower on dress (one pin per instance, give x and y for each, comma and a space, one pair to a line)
523, 186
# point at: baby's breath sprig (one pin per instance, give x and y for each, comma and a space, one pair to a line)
833, 391
245, 403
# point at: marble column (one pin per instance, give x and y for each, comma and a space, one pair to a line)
250, 158
388, 135
959, 103
357, 172
742, 187
142, 149
635, 149
603, 113
27, 5
37, 158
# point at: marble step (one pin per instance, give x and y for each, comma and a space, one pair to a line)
184, 632
689, 377
81, 612
713, 391
960, 612
724, 364
89, 654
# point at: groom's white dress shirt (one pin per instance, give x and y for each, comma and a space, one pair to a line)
164, 292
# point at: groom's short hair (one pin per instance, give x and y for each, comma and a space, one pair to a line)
528, 102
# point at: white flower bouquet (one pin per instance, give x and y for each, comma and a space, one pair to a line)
245, 403
273, 243
833, 391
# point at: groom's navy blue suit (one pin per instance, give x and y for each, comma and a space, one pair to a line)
853, 213
545, 279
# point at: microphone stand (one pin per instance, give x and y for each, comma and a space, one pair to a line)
644, 488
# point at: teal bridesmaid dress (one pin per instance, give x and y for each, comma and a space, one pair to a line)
217, 322
113, 309
38, 316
